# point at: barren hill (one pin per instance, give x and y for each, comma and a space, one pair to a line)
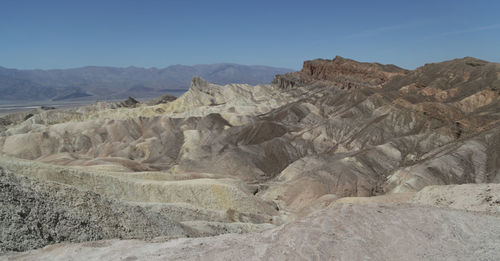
331, 155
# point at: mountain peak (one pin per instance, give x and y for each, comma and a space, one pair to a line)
338, 58
198, 82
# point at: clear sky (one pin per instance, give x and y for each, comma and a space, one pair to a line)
47, 34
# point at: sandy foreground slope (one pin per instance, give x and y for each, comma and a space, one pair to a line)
339, 232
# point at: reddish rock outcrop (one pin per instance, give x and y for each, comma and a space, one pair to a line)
344, 73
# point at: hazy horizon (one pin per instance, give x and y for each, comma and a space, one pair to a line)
222, 63
145, 67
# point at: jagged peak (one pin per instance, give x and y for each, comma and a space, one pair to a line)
198, 82
338, 58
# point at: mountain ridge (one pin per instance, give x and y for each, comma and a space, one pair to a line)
106, 82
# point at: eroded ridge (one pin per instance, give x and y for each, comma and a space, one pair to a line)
339, 139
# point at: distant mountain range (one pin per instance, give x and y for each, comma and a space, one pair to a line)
95, 82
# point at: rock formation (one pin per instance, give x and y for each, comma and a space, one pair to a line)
349, 160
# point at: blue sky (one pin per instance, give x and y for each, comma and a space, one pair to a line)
64, 34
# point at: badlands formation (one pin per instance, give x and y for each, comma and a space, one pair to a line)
339, 161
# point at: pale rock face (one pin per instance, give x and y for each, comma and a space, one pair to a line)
473, 197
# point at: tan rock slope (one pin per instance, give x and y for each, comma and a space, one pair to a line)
240, 158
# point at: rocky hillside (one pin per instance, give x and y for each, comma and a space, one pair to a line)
336, 155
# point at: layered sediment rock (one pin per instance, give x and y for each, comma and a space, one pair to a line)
341, 72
